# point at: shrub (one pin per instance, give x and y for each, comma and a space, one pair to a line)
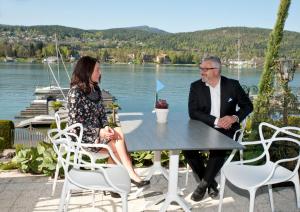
6, 126
8, 166
56, 105
36, 160
62, 125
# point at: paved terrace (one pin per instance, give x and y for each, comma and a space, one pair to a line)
24, 192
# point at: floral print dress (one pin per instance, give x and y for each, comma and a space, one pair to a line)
90, 112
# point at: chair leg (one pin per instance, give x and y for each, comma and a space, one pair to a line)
271, 197
93, 201
252, 199
295, 180
124, 202
222, 188
63, 196
187, 174
55, 177
68, 200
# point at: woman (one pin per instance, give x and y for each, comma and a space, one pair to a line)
85, 106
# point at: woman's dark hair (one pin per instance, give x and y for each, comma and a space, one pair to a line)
82, 73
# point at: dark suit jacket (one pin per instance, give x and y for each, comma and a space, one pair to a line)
232, 94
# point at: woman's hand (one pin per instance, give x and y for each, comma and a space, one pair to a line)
107, 133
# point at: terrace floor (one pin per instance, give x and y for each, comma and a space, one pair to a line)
25, 192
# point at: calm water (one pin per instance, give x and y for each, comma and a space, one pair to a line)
133, 85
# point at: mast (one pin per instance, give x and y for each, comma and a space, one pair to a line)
238, 54
57, 57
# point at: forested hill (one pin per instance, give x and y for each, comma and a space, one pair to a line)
220, 41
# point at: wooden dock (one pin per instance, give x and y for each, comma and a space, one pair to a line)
40, 106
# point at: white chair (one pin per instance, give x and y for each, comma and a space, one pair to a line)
250, 177
60, 117
81, 174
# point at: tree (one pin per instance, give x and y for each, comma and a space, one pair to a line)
105, 56
262, 107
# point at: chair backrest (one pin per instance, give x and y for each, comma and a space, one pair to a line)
239, 134
74, 151
287, 131
60, 117
288, 134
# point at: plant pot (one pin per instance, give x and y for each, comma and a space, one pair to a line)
161, 115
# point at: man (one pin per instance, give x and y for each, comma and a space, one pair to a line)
213, 100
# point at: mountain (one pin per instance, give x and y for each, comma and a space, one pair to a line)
221, 41
149, 29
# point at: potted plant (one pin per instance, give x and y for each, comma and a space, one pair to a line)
56, 105
161, 110
114, 107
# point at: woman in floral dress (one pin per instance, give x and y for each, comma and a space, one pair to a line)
85, 105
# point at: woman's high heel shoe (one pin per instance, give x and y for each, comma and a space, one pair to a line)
140, 184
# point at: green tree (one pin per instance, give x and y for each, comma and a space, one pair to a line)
262, 107
49, 50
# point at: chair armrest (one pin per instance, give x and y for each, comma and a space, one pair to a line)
105, 146
248, 143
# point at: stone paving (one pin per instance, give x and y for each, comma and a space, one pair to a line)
24, 192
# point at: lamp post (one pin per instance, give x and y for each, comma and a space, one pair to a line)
250, 90
286, 69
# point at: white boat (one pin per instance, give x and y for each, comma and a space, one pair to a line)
37, 120
49, 90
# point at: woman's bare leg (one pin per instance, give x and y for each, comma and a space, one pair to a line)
119, 146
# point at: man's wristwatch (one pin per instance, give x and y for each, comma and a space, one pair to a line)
236, 118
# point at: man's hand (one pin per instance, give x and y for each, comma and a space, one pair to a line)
226, 122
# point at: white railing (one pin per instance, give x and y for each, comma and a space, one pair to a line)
29, 136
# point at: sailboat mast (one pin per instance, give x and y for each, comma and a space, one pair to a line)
239, 62
57, 56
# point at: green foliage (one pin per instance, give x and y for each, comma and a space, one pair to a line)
140, 159
114, 107
266, 89
56, 105
37, 160
8, 166
19, 147
62, 125
145, 158
7, 140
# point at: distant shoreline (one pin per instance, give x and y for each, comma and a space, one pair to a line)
29, 61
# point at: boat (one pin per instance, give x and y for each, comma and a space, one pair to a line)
53, 89
41, 110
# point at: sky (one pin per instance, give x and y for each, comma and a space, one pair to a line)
169, 15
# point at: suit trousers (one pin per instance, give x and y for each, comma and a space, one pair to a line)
197, 160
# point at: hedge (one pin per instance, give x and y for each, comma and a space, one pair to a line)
7, 141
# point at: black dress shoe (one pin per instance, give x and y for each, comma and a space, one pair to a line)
212, 190
140, 184
114, 195
200, 191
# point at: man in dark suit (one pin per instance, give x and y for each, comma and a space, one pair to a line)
213, 100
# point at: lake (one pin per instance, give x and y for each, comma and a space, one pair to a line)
133, 85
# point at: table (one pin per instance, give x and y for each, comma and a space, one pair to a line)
143, 133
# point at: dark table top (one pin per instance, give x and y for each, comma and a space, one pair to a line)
142, 132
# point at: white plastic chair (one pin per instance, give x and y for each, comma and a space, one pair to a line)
251, 177
81, 174
62, 116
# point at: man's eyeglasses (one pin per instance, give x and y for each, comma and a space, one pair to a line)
206, 69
